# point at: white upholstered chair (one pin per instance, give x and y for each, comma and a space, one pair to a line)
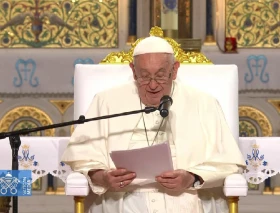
221, 81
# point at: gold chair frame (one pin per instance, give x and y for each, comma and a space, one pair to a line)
181, 56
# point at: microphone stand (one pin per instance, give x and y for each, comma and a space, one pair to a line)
15, 141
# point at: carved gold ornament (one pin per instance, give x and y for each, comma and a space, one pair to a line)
276, 104
62, 105
1, 101
27, 112
180, 55
259, 117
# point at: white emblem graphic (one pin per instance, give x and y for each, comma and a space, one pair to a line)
8, 182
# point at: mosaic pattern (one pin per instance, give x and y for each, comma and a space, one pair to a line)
27, 124
254, 23
247, 129
58, 24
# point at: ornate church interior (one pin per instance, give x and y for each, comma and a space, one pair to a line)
41, 41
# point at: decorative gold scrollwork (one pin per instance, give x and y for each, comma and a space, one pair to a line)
62, 105
26, 112
254, 24
59, 24
183, 57
259, 117
275, 104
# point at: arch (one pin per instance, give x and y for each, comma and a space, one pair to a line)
259, 117
33, 115
248, 128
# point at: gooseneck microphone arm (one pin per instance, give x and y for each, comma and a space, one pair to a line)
81, 120
15, 142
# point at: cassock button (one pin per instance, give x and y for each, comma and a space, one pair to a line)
153, 200
155, 211
157, 122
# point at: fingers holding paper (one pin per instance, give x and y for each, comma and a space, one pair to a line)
177, 180
118, 178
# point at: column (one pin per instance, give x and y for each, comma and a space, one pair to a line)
209, 23
155, 13
60, 186
267, 186
169, 18
185, 37
185, 19
50, 185
132, 25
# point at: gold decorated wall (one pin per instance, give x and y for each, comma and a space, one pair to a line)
26, 117
58, 24
33, 115
46, 108
253, 123
42, 40
254, 23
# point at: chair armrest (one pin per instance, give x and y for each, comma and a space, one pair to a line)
235, 185
76, 185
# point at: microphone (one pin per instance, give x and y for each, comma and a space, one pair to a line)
165, 103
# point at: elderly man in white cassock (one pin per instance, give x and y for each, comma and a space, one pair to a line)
203, 149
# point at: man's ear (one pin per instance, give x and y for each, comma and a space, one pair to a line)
133, 70
176, 66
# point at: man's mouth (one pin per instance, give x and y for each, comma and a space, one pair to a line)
154, 92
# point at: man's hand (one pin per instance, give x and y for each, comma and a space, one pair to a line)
119, 178
177, 180
113, 179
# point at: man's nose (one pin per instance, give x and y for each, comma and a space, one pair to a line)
153, 84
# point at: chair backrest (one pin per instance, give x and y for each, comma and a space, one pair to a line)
221, 81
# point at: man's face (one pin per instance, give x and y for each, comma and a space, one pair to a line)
154, 73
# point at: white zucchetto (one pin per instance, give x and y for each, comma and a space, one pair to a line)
152, 44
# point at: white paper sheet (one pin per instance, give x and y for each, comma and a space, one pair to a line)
147, 162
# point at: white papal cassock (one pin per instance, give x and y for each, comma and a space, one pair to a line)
199, 138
